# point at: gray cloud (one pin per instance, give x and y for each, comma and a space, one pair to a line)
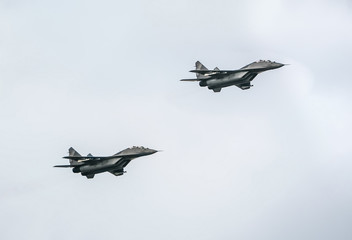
268, 163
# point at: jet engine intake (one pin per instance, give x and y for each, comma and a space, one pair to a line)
203, 83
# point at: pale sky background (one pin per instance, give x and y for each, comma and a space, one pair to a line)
272, 162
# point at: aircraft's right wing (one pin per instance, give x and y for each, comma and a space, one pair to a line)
87, 158
215, 71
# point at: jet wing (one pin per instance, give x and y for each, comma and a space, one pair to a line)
225, 72
88, 158
97, 158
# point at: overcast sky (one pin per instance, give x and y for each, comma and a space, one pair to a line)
272, 162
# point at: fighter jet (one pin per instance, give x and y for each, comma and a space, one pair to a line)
217, 79
89, 165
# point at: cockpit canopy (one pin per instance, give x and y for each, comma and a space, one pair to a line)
267, 61
139, 147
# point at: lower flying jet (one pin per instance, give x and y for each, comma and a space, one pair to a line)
217, 79
90, 165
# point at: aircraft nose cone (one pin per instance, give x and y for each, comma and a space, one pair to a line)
278, 65
152, 151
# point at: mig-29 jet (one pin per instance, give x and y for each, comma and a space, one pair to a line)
90, 165
217, 79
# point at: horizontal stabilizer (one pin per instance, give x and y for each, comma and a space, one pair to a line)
87, 158
191, 80
64, 166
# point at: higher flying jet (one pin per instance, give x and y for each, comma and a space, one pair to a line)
217, 79
90, 165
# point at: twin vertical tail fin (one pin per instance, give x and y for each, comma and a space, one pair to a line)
200, 66
73, 163
73, 153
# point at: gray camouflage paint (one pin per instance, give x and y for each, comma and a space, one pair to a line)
90, 165
217, 79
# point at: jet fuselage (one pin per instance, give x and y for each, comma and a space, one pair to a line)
90, 165
217, 79
226, 81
